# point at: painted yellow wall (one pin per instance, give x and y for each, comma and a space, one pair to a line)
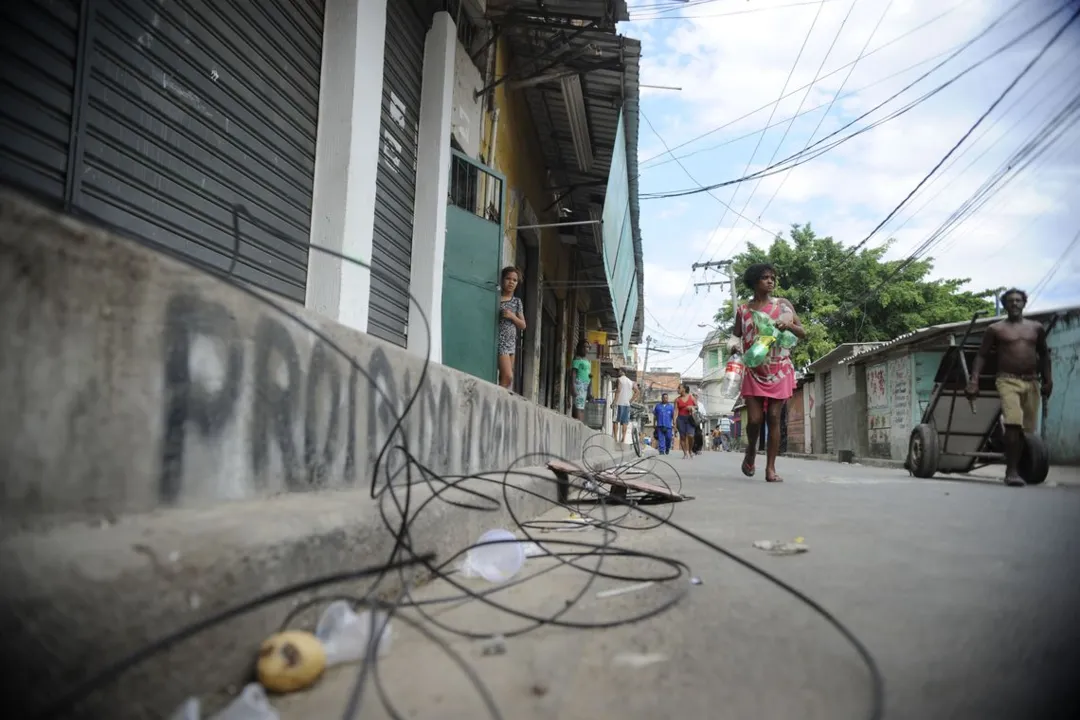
519, 158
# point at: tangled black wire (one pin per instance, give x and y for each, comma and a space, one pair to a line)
400, 508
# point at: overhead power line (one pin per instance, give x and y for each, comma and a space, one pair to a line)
876, 50
973, 128
1045, 282
804, 157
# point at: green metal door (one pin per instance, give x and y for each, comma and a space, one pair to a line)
470, 300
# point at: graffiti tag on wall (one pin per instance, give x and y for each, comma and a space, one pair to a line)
293, 413
877, 386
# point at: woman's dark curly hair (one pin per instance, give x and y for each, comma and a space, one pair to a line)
753, 274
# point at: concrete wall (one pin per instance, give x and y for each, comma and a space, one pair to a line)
1063, 410
131, 383
891, 406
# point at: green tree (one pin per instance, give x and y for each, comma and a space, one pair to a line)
846, 299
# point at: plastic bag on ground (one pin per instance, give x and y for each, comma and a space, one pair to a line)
496, 562
345, 634
250, 704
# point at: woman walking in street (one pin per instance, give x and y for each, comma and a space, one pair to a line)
511, 322
684, 409
767, 387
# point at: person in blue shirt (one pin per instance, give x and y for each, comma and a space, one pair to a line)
664, 413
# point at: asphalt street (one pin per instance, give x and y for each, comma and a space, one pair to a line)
965, 592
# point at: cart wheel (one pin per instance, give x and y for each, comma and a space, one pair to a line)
922, 458
1035, 462
635, 438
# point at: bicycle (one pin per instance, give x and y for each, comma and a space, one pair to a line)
638, 415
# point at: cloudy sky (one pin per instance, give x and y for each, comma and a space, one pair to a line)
732, 60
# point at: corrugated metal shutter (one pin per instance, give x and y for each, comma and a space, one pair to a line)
828, 413
194, 108
38, 48
187, 111
395, 192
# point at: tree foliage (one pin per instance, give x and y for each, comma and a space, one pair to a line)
823, 283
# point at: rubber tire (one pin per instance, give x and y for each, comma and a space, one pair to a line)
1035, 460
927, 436
635, 439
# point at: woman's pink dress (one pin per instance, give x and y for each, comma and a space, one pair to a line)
774, 378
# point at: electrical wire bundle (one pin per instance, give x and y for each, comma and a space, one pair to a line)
404, 489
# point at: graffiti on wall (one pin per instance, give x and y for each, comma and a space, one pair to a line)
297, 414
877, 386
900, 377
878, 427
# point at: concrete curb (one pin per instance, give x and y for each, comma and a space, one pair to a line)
78, 597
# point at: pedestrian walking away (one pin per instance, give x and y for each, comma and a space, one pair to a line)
768, 386
725, 433
684, 407
625, 393
1024, 374
664, 417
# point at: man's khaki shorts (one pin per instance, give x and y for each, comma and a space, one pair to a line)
1019, 401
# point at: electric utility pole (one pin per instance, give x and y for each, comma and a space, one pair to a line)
645, 366
728, 267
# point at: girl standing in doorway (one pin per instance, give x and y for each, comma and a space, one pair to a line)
767, 387
511, 322
684, 410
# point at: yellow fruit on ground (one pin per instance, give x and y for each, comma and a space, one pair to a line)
290, 661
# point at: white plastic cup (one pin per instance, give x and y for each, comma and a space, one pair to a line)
497, 562
344, 634
250, 704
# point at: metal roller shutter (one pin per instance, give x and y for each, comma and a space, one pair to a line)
395, 192
828, 413
188, 110
38, 47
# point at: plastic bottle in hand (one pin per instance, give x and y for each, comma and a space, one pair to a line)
733, 375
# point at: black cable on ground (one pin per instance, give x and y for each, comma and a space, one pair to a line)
392, 489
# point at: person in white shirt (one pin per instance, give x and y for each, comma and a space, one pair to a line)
725, 432
625, 393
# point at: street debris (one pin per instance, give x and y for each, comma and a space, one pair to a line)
695, 580
250, 704
624, 590
346, 635
639, 660
779, 547
533, 550
290, 661
497, 557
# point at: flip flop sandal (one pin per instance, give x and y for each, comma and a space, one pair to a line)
747, 469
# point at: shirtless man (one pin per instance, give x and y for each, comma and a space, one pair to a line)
1022, 357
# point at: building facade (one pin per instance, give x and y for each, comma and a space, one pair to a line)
378, 161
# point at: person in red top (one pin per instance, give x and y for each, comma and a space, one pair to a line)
684, 408
767, 387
